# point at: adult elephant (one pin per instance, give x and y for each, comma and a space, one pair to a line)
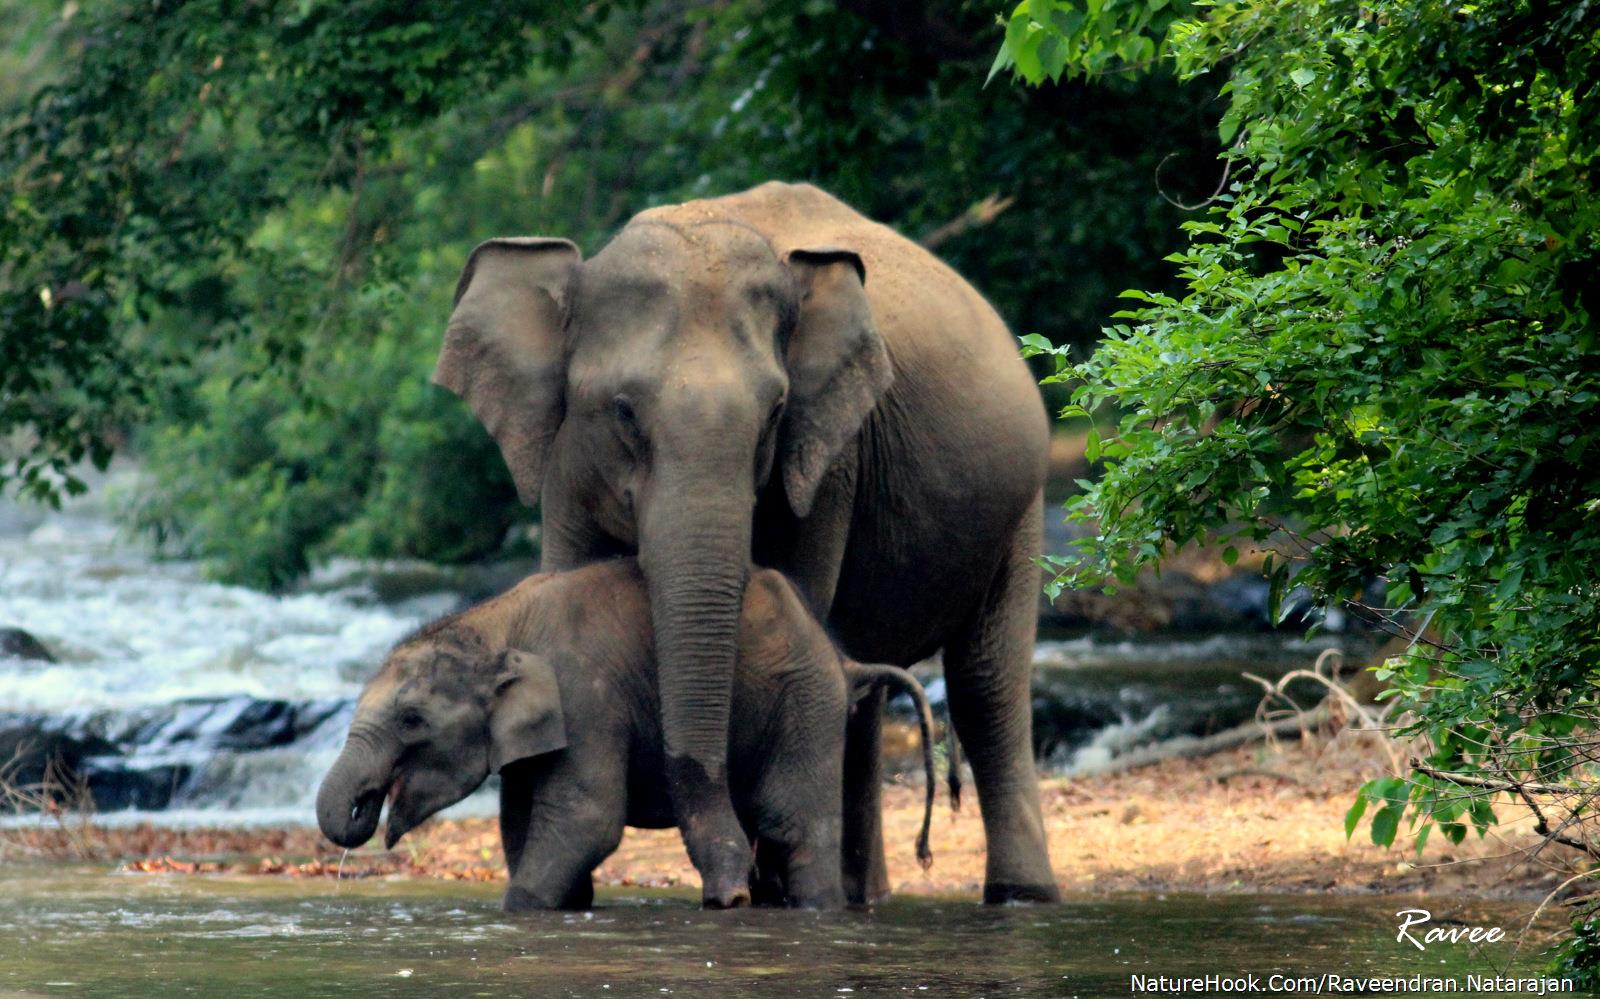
771, 376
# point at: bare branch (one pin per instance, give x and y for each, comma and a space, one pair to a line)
980, 214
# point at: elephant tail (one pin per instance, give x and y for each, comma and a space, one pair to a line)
953, 763
863, 678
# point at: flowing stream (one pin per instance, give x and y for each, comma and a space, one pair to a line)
79, 931
217, 704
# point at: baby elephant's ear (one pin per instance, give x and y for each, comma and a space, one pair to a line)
526, 719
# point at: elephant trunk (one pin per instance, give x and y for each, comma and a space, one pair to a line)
694, 549
351, 796
697, 573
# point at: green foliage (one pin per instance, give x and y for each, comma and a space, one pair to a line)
250, 226
33, 30
1052, 39
1383, 365
891, 115
1578, 957
136, 180
356, 454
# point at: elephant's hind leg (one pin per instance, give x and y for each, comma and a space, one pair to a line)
767, 876
988, 670
866, 871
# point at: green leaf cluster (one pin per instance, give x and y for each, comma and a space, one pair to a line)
1578, 957
1063, 39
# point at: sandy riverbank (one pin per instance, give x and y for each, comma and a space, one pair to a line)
1255, 819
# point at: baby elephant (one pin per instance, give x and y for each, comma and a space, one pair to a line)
553, 685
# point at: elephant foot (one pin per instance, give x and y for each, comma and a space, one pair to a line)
519, 899
865, 893
726, 897
718, 845
579, 895
725, 870
1013, 894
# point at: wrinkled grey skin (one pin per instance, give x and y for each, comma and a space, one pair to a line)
553, 685
770, 377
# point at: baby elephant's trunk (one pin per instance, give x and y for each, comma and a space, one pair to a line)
863, 678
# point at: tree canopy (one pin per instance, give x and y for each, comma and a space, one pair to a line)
230, 235
1383, 364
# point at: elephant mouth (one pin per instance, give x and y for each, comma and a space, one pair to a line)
364, 812
399, 824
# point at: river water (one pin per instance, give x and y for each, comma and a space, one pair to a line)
215, 704
82, 931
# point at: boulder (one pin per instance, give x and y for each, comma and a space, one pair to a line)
30, 748
156, 756
1171, 603
18, 644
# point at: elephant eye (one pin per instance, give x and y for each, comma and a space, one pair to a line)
773, 419
766, 446
627, 420
412, 720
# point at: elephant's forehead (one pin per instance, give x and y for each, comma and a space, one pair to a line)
713, 290
417, 669
661, 249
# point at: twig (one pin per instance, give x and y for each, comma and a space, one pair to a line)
61, 794
1227, 775
982, 213
1324, 672
1525, 791
1227, 170
1193, 748
1491, 784
1558, 889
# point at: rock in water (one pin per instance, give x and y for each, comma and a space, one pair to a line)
30, 753
18, 644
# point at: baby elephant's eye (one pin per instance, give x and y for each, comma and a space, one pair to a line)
412, 720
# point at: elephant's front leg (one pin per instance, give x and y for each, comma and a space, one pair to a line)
767, 876
557, 863
797, 857
798, 846
803, 877
813, 875
559, 886
556, 827
517, 783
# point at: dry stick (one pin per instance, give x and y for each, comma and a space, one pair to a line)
1558, 889
1327, 658
980, 214
1194, 748
1525, 791
1556, 836
1489, 784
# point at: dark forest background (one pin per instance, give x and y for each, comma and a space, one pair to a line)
233, 230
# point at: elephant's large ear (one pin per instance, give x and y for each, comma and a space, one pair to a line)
526, 718
838, 367
504, 351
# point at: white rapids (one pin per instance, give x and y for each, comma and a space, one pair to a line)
150, 651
